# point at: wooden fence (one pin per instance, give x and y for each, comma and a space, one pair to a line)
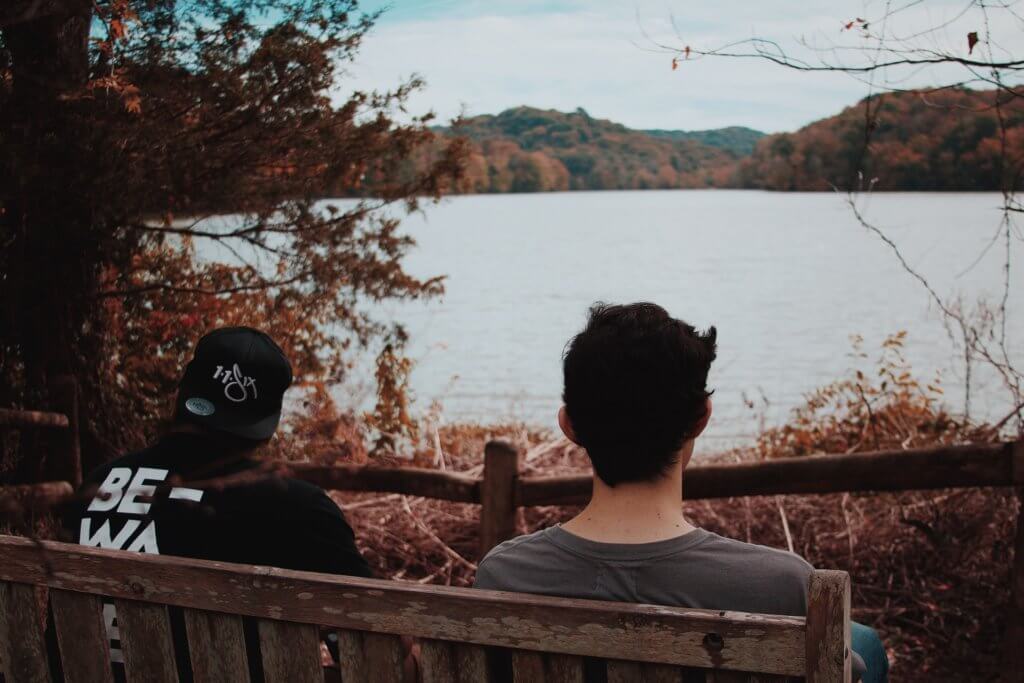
501, 490
64, 461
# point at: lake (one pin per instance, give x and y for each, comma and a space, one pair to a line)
786, 279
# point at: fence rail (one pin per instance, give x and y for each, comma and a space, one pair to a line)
33, 419
927, 468
64, 460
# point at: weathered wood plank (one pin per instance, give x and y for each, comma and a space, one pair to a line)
498, 494
919, 469
564, 669
32, 418
81, 636
828, 627
668, 635
528, 667
620, 671
662, 673
351, 660
470, 663
216, 647
22, 649
146, 641
411, 481
290, 652
437, 661
384, 656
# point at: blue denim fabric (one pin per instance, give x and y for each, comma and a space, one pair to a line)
866, 643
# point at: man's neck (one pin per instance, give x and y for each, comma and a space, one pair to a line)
635, 512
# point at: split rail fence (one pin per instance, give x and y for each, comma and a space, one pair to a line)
501, 489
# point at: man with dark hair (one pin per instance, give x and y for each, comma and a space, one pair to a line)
199, 491
636, 399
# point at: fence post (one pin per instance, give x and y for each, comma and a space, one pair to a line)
1013, 643
65, 458
498, 494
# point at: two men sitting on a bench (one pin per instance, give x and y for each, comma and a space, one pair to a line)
635, 398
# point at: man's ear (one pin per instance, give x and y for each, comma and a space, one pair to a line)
703, 423
566, 426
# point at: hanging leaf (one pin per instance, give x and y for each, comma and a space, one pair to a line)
972, 40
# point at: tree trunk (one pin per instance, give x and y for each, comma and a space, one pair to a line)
45, 214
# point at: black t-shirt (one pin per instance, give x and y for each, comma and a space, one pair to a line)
279, 522
147, 503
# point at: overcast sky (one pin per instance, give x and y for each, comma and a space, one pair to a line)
483, 56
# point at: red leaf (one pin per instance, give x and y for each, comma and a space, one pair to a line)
675, 63
972, 40
686, 52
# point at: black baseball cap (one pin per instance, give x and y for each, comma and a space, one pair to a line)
235, 383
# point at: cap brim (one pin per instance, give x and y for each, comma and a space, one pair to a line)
259, 430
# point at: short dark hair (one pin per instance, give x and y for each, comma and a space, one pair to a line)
636, 388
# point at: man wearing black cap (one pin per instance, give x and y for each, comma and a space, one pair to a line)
199, 492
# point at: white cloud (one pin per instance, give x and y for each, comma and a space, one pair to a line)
490, 56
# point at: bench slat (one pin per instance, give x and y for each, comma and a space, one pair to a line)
719, 676
351, 659
527, 667
350, 656
437, 661
216, 647
564, 669
384, 656
828, 627
621, 671
290, 652
81, 636
470, 663
662, 673
145, 635
22, 649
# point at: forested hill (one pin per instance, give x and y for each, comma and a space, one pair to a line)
736, 139
946, 140
531, 150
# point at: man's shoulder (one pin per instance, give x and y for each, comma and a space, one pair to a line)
502, 562
516, 547
754, 557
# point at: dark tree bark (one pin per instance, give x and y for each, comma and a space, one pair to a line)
49, 66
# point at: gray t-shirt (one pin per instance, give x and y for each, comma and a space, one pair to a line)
698, 569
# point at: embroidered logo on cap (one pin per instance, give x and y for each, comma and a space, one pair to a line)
236, 385
200, 406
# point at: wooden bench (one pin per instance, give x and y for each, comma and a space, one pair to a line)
464, 634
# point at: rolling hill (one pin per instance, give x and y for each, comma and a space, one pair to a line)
946, 140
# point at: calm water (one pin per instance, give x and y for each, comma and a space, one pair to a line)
786, 278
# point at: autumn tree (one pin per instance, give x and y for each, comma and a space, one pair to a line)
161, 169
964, 74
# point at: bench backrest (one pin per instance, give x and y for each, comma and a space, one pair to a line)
463, 632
